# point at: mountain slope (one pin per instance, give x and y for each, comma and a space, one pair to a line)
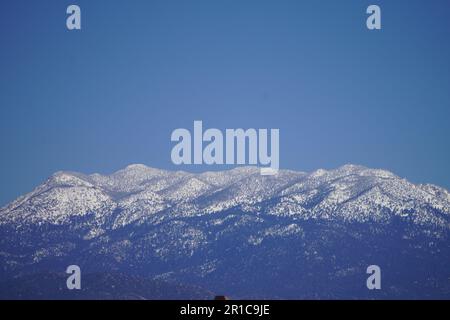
236, 232
98, 286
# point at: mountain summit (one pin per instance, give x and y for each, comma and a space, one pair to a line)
139, 193
236, 231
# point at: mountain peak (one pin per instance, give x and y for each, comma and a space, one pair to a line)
137, 166
352, 192
352, 167
68, 178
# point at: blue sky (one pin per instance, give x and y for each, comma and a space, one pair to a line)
109, 95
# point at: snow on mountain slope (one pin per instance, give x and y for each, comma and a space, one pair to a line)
227, 230
349, 193
138, 206
354, 193
135, 178
62, 196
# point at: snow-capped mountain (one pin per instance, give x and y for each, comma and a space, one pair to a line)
139, 193
212, 229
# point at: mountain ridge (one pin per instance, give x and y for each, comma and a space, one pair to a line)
242, 186
294, 235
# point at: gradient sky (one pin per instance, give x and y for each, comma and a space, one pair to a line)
110, 95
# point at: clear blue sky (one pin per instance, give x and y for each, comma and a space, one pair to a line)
109, 95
